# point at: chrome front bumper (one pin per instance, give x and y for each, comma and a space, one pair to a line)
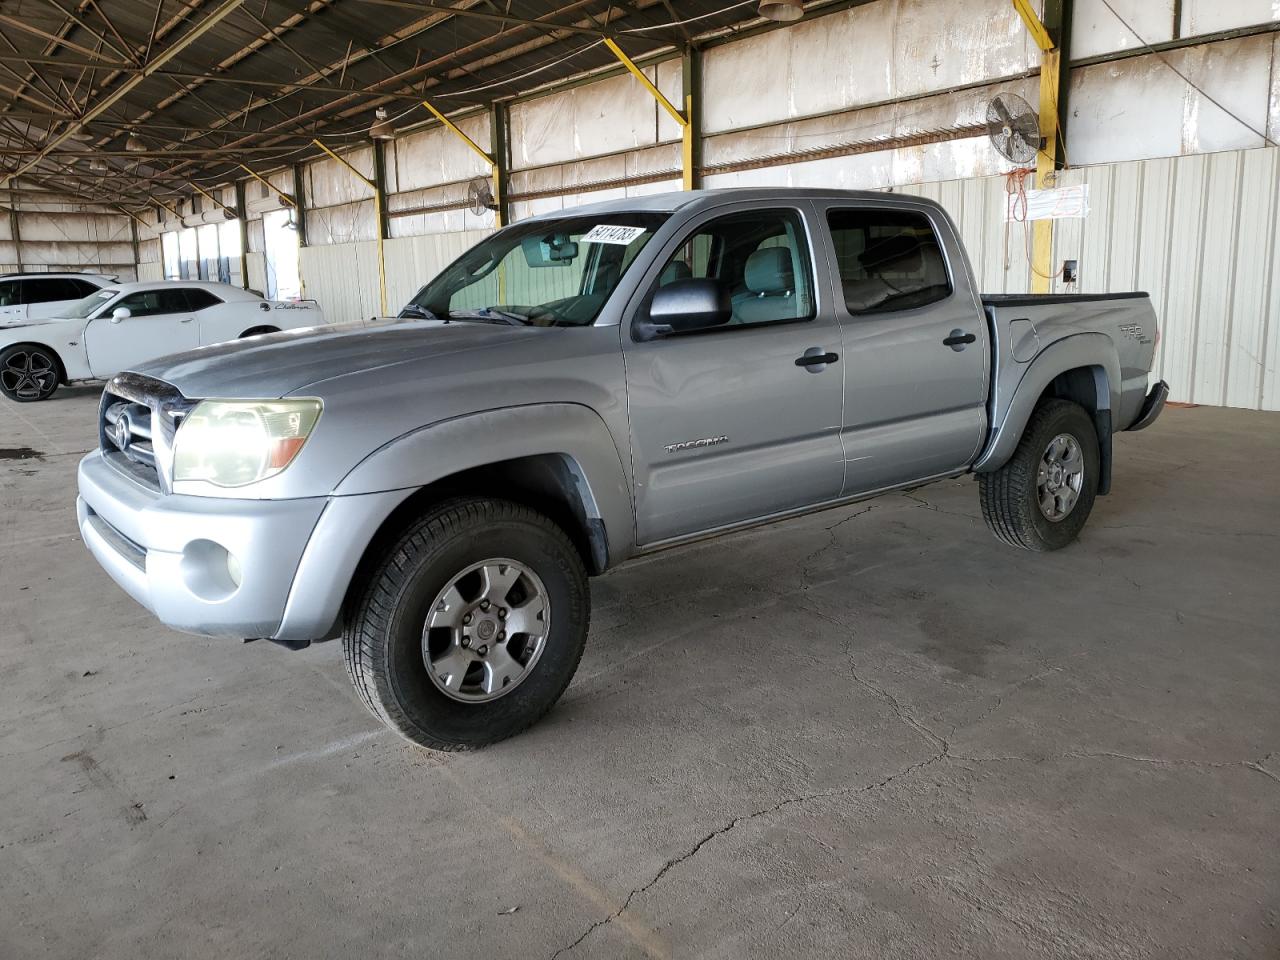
227, 567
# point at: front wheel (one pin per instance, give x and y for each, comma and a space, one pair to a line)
1042, 497
28, 373
472, 626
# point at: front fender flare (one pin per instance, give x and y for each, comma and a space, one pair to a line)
1012, 412
447, 447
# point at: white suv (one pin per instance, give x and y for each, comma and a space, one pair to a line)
33, 296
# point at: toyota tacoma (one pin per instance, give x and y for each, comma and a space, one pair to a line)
579, 389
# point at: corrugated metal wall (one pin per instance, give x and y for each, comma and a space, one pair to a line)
889, 95
1199, 233
344, 278
61, 236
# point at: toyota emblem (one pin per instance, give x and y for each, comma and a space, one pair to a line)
124, 432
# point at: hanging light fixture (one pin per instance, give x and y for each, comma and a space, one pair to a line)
134, 145
382, 128
782, 11
98, 165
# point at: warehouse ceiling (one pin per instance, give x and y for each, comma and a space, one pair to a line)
123, 101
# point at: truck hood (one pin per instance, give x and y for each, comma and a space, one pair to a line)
279, 364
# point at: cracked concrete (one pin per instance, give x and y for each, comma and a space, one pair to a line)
873, 732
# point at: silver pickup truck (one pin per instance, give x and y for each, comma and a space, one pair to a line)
574, 391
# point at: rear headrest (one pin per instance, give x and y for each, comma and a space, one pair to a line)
769, 271
901, 252
673, 271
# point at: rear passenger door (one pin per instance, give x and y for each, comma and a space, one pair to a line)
916, 345
215, 326
47, 296
725, 425
159, 323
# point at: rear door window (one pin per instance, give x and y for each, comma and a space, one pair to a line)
198, 299
83, 288
48, 289
888, 260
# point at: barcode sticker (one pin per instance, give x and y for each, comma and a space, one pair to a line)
605, 233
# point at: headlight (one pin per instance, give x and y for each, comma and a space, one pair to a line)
231, 443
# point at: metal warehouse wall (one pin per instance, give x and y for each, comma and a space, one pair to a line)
1198, 233
887, 95
45, 235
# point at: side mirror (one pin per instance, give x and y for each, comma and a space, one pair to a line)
120, 313
683, 306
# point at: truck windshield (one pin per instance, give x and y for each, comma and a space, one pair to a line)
82, 308
545, 273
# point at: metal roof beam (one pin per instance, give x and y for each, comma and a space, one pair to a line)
190, 37
426, 6
207, 77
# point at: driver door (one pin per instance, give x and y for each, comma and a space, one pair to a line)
160, 322
738, 421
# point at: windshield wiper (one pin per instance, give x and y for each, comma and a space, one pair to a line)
416, 310
491, 315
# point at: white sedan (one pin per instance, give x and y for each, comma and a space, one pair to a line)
126, 324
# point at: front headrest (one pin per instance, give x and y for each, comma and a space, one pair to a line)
900, 253
673, 271
769, 271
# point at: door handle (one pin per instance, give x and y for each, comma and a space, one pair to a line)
186, 319
958, 339
815, 359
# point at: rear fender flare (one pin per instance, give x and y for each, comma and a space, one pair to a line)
1089, 350
448, 447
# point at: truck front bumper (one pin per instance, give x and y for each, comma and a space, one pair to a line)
1151, 407
228, 567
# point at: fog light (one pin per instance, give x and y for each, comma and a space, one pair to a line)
210, 571
233, 568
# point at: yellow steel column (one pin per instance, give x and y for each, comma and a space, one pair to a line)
209, 196
1051, 86
377, 216
494, 171
1046, 167
686, 147
686, 128
270, 186
1052, 40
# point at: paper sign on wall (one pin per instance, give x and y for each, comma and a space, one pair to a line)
1059, 204
604, 233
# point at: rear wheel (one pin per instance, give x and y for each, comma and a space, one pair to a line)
29, 373
1042, 497
472, 626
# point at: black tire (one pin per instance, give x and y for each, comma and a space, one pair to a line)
383, 633
1010, 501
29, 372
258, 331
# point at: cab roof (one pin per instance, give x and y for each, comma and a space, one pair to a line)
672, 201
223, 291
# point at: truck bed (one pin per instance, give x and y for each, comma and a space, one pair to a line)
1024, 326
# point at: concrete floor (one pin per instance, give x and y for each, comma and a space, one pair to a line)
873, 732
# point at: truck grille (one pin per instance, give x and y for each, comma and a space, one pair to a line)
137, 421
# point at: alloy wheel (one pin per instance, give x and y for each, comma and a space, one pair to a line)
486, 630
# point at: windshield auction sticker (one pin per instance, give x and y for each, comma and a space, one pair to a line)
604, 233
